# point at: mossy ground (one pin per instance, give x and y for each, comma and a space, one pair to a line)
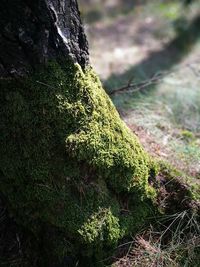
67, 161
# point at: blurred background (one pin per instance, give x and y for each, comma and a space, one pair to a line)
147, 54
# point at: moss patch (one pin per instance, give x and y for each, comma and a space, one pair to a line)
66, 155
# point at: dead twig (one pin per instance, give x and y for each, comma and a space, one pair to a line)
135, 87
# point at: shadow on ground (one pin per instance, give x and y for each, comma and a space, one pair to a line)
101, 9
160, 61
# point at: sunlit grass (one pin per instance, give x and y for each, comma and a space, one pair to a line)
169, 111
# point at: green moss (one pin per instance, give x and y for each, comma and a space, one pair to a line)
107, 144
101, 226
66, 155
187, 135
177, 181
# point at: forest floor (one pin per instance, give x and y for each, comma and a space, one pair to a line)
148, 60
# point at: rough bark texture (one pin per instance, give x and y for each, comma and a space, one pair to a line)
32, 32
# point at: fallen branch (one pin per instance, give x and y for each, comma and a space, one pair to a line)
156, 78
135, 87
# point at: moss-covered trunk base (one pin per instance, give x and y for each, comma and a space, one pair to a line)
74, 178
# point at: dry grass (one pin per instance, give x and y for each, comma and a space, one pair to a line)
167, 119
176, 245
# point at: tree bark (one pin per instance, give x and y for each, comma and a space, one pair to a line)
33, 32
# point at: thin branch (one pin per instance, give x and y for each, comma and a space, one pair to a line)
156, 78
135, 87
45, 84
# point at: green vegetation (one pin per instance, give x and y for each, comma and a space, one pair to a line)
67, 159
76, 180
71, 169
169, 111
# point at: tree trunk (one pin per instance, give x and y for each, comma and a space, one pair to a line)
33, 32
73, 179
